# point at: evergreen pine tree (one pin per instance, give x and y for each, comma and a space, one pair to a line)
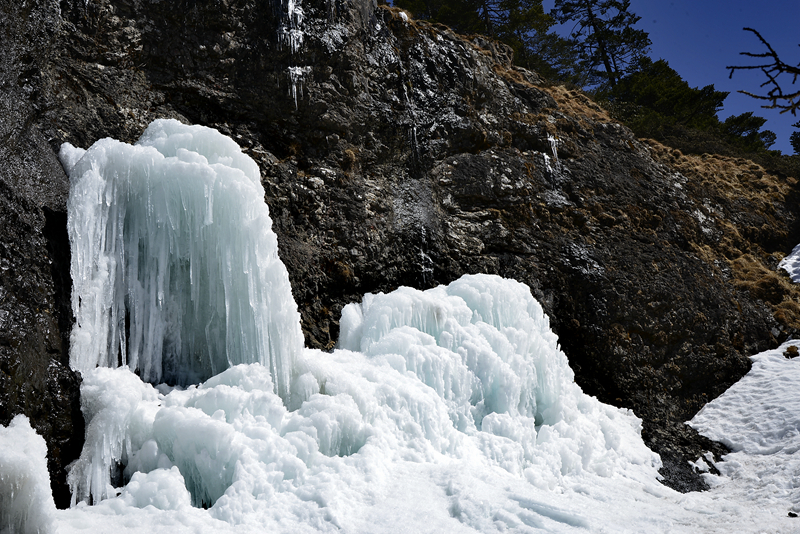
610, 45
655, 95
794, 139
744, 128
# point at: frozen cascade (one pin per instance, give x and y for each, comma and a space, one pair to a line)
175, 266
290, 34
174, 257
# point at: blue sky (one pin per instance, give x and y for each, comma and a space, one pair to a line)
700, 38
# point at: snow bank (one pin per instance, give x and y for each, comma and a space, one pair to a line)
758, 418
791, 264
26, 504
174, 264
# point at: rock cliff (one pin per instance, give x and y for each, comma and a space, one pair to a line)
395, 152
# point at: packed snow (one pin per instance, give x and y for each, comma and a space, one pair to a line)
791, 264
758, 418
446, 410
26, 504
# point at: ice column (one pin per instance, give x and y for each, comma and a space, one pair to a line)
290, 34
297, 75
175, 265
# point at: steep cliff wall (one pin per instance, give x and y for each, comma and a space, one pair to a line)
35, 378
395, 152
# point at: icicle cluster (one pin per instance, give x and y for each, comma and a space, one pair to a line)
290, 35
297, 75
174, 263
555, 168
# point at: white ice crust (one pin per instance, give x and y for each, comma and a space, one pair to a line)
174, 263
26, 504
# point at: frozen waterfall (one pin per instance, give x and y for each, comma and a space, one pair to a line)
174, 263
177, 278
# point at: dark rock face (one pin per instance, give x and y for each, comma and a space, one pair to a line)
35, 314
394, 152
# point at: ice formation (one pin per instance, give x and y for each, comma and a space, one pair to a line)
555, 168
176, 276
290, 33
175, 267
466, 374
297, 76
26, 504
446, 410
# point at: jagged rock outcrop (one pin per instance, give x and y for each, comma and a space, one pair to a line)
395, 152
35, 378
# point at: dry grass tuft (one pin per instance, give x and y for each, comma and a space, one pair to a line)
576, 103
760, 281
743, 186
511, 74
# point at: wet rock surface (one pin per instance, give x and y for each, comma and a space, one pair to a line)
394, 152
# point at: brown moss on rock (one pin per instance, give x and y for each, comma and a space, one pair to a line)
748, 220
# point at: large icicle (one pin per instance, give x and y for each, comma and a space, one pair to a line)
174, 263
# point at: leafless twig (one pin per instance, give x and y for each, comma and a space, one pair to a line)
772, 68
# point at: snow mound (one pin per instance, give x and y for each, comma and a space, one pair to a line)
758, 418
26, 504
164, 489
468, 373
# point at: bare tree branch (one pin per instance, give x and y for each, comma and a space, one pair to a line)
772, 69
